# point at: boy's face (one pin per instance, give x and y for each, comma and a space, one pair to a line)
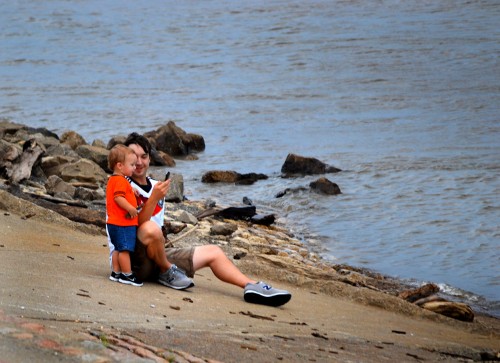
128, 166
142, 163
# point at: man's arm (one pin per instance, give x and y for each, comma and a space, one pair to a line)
159, 192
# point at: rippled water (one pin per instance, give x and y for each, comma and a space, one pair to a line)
403, 96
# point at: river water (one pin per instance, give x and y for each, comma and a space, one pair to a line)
403, 96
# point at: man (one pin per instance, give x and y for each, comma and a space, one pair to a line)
151, 260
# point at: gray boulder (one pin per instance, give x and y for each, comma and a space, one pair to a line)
61, 150
223, 229
73, 139
300, 165
83, 170
96, 154
174, 141
52, 165
55, 185
229, 176
325, 186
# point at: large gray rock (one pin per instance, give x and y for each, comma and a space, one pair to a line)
83, 170
99, 143
300, 165
162, 159
325, 186
8, 128
89, 194
187, 217
55, 184
61, 150
176, 190
42, 136
223, 229
115, 140
8, 153
97, 154
52, 165
174, 141
229, 176
220, 176
73, 139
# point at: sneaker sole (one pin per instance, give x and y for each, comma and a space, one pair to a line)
273, 300
129, 282
176, 287
113, 279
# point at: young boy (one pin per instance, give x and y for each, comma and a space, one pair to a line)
121, 214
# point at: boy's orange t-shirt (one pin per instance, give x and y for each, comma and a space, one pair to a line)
118, 186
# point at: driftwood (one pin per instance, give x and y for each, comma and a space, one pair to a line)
424, 300
74, 203
21, 167
238, 213
73, 212
8, 153
247, 213
77, 214
459, 311
263, 219
421, 292
230, 176
92, 186
207, 213
425, 297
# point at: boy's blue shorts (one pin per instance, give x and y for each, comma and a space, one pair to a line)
122, 237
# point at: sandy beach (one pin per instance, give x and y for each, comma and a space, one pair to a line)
57, 304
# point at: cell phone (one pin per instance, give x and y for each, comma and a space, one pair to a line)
167, 175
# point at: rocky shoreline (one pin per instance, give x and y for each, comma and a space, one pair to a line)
66, 176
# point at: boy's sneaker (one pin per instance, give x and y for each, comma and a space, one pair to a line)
130, 280
175, 278
115, 276
262, 293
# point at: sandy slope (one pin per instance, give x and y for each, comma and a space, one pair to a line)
57, 304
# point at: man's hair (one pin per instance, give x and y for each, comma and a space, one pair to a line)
118, 154
135, 138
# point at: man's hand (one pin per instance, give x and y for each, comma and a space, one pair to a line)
158, 193
160, 190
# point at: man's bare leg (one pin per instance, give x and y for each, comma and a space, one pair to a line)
152, 238
212, 256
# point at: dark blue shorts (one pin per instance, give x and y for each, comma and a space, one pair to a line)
122, 237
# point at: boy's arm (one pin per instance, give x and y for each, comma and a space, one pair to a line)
125, 205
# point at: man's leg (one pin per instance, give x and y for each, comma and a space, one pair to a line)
152, 238
255, 292
212, 256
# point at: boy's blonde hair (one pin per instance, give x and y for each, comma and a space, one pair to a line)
118, 154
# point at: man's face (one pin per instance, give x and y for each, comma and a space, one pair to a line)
142, 164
